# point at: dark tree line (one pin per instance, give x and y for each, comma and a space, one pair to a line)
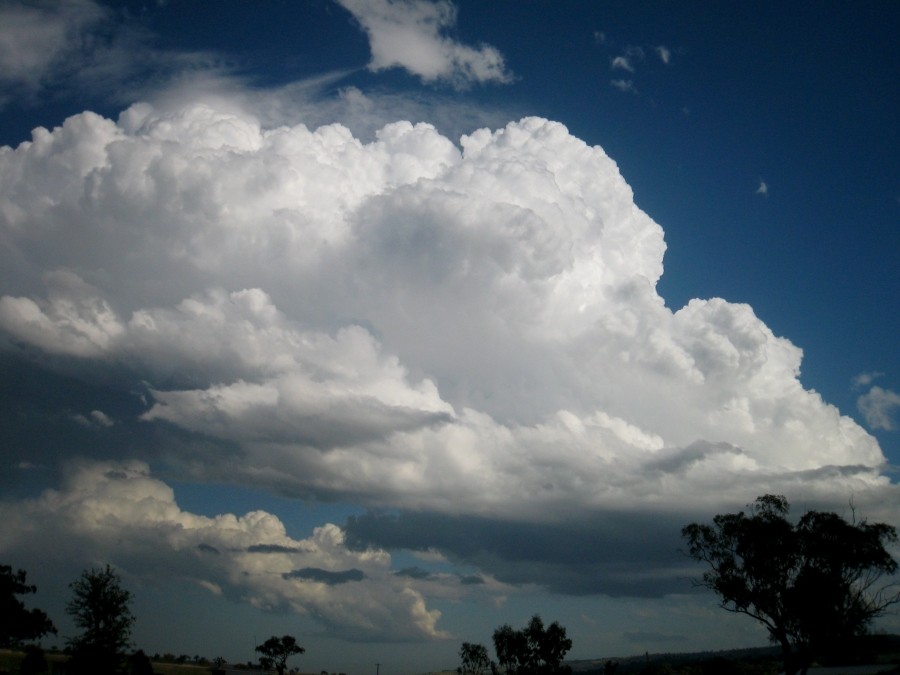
532, 650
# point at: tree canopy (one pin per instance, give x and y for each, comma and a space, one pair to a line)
277, 650
533, 650
813, 584
17, 624
474, 659
101, 608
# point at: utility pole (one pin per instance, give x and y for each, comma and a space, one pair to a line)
377, 669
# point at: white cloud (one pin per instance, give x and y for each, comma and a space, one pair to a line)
763, 188
405, 323
865, 379
626, 86
411, 34
622, 63
118, 512
664, 53
879, 407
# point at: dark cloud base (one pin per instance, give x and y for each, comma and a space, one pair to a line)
620, 554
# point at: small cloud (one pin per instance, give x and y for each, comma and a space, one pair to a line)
101, 418
96, 418
624, 85
215, 589
412, 35
635, 52
879, 407
762, 188
865, 379
599, 37
325, 576
664, 53
206, 548
622, 63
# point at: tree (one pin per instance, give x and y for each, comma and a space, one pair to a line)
474, 659
813, 585
276, 651
533, 650
18, 624
102, 609
139, 663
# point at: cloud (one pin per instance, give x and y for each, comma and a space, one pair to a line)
878, 406
621, 62
626, 86
326, 576
410, 34
79, 46
664, 53
118, 512
467, 336
36, 37
865, 379
763, 188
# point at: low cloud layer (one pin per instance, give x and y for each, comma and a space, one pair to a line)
118, 511
466, 336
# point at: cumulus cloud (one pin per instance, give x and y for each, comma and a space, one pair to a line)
120, 513
411, 34
879, 407
470, 332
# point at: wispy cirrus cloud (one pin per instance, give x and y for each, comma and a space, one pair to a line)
55, 49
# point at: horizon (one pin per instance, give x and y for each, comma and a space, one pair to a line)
383, 323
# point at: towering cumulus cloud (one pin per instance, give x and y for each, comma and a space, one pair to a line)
462, 334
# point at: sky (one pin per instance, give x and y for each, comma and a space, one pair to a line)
383, 323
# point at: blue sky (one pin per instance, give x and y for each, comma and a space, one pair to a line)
385, 323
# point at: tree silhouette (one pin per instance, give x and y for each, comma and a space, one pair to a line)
18, 624
534, 650
139, 663
814, 585
276, 651
474, 659
102, 609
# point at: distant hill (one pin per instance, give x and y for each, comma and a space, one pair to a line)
880, 649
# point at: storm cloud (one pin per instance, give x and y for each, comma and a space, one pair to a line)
464, 336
